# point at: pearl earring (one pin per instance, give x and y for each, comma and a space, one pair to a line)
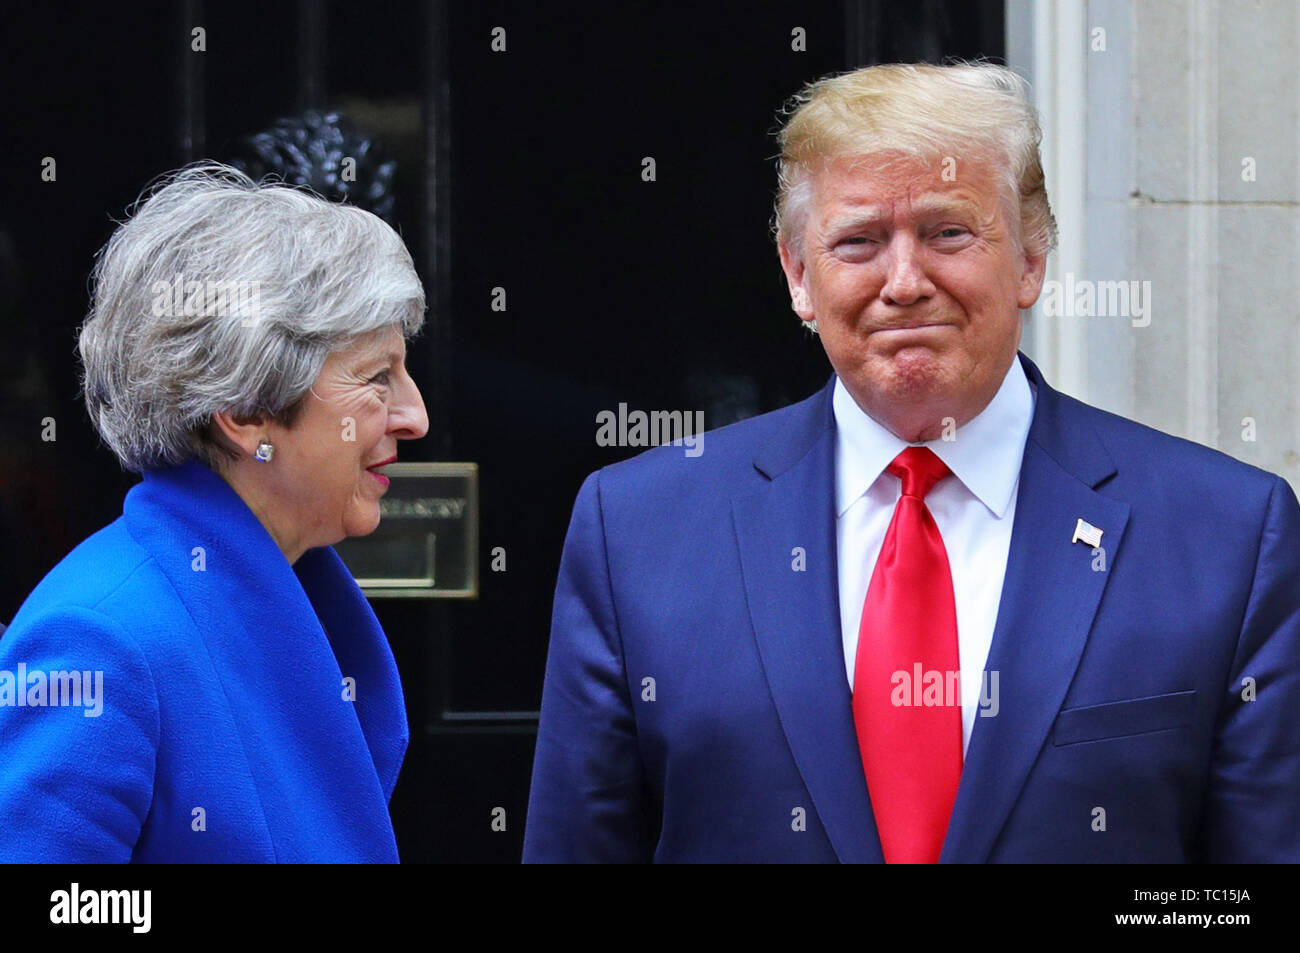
264, 452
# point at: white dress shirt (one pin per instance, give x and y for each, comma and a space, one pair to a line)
974, 510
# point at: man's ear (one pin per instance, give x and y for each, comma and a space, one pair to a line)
1031, 280
792, 265
243, 432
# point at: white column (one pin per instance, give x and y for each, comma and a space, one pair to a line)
1171, 157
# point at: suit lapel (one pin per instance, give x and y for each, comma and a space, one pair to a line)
1050, 596
796, 619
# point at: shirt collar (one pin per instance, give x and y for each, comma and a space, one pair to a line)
985, 456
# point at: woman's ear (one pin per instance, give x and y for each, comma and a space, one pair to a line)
243, 432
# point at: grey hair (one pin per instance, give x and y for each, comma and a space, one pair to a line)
224, 294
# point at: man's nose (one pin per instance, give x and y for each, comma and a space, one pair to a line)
906, 281
409, 419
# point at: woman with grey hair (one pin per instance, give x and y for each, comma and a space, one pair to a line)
202, 680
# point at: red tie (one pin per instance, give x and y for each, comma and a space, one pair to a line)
908, 719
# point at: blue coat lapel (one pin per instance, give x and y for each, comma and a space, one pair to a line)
280, 645
1050, 596
362, 651
796, 620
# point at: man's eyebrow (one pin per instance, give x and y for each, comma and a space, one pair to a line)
859, 218
868, 216
943, 206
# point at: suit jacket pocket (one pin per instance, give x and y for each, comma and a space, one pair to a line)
1133, 716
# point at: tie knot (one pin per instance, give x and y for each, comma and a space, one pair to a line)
919, 469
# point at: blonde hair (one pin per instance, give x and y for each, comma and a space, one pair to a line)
918, 110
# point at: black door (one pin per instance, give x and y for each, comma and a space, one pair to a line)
511, 141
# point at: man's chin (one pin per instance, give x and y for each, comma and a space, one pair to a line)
911, 398
914, 374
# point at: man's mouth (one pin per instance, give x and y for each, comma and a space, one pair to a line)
914, 326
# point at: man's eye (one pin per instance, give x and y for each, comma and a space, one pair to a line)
952, 231
381, 378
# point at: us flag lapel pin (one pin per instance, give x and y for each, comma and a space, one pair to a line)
1085, 532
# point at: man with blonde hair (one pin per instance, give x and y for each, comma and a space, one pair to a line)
938, 611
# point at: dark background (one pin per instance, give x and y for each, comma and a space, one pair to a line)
518, 169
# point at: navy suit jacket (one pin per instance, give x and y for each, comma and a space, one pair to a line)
226, 732
696, 707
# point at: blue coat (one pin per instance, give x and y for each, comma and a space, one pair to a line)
1126, 729
226, 731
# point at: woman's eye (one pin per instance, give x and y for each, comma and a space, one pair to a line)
381, 378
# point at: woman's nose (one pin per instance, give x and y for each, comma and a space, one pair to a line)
411, 420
